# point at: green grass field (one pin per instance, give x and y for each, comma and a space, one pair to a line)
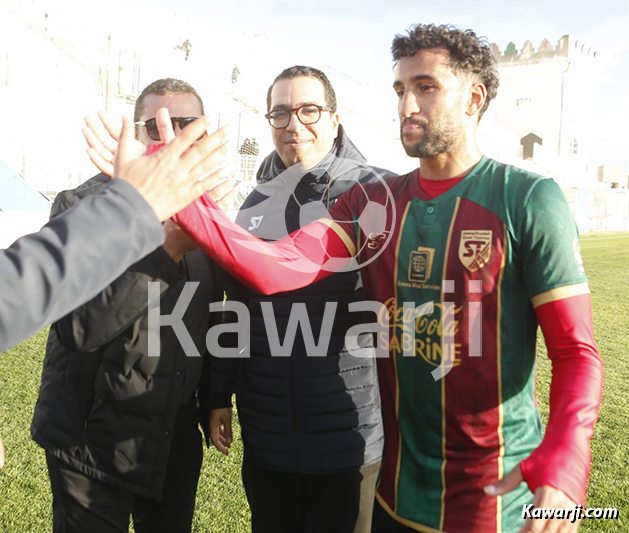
25, 501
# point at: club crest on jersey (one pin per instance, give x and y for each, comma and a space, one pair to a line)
375, 240
475, 248
420, 264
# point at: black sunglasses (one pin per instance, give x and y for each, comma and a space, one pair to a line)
151, 125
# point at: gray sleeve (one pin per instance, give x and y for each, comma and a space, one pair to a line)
115, 308
46, 275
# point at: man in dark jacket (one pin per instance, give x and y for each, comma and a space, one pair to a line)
120, 424
311, 426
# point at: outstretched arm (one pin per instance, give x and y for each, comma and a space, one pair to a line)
290, 263
45, 275
49, 273
118, 306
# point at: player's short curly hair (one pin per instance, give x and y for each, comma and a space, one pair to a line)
308, 72
161, 87
468, 53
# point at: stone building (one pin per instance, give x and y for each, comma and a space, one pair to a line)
541, 106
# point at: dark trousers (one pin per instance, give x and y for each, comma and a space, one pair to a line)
383, 522
287, 502
82, 504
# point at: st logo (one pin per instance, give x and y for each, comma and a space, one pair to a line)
475, 248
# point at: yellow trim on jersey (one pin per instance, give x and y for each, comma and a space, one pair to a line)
397, 381
443, 379
501, 438
560, 293
336, 228
405, 521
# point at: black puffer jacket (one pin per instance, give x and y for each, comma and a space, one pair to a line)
104, 405
301, 413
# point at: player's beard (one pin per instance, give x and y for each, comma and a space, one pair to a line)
435, 139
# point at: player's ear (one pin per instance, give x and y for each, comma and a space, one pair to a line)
476, 99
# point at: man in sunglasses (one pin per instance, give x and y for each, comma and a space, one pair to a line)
119, 426
311, 426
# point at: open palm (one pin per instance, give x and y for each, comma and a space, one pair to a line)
103, 139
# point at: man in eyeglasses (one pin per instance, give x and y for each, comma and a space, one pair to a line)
120, 427
311, 426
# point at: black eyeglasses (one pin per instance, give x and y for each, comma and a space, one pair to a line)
306, 114
151, 125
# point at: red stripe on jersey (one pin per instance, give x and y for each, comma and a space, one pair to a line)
389, 392
387, 485
473, 396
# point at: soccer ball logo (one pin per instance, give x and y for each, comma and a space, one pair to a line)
267, 219
377, 214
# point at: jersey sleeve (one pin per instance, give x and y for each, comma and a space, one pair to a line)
549, 245
563, 458
342, 221
292, 262
555, 281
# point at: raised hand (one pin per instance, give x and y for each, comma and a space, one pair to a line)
180, 172
102, 138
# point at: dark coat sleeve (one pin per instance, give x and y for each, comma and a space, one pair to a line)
45, 275
119, 305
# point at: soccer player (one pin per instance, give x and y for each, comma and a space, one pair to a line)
470, 234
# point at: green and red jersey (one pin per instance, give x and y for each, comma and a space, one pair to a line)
495, 253
505, 240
